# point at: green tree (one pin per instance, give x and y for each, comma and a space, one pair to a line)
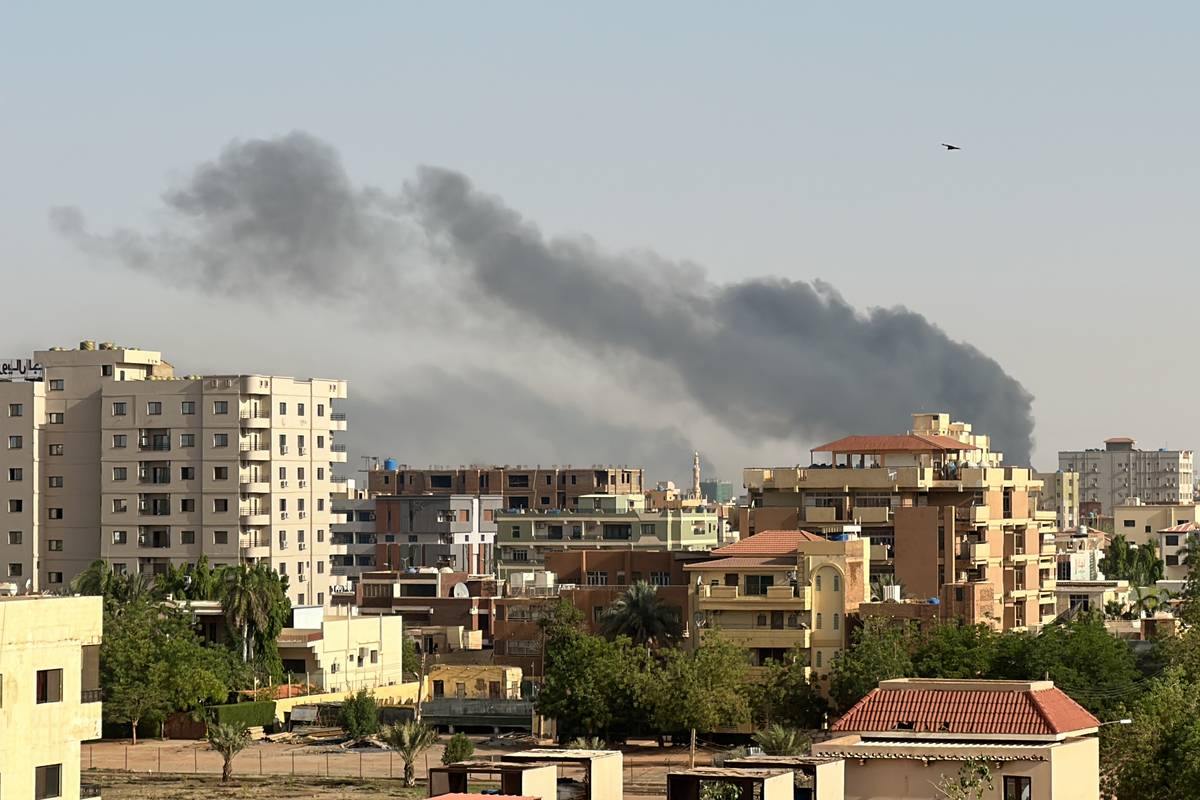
1153, 757
972, 781
98, 580
880, 650
789, 696
587, 743
458, 748
256, 606
228, 739
578, 686
701, 690
642, 615
409, 739
777, 740
360, 715
948, 650
1091, 665
1138, 564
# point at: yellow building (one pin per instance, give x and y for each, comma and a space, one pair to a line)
343, 653
49, 693
1060, 494
1140, 523
473, 682
780, 590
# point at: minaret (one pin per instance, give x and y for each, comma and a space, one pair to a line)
696, 475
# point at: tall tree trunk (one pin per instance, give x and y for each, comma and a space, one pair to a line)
133, 723
410, 773
246, 643
692, 751
227, 769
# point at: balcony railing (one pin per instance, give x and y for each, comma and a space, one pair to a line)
338, 416
337, 448
91, 696
89, 791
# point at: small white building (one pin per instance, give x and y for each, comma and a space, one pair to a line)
342, 652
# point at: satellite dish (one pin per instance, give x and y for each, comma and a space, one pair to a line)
460, 590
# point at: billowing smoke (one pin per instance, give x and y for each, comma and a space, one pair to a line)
768, 357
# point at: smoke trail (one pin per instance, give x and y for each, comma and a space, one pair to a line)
766, 357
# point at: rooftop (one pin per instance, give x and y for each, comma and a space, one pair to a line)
902, 443
950, 708
769, 543
1183, 527
741, 562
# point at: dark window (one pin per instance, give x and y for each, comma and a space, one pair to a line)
1017, 787
1128, 523
614, 530
758, 584
49, 688
1172, 539
48, 782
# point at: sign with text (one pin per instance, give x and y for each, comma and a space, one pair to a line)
20, 369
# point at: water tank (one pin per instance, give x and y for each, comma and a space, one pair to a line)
389, 464
933, 601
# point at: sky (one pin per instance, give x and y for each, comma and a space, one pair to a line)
792, 140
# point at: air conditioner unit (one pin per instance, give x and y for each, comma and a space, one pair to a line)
303, 484
283, 484
303, 546
303, 450
283, 450
283, 515
303, 514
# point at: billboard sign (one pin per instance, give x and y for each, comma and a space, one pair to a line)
20, 369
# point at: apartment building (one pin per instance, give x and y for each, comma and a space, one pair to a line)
127, 462
780, 590
443, 530
940, 510
1060, 494
352, 547
1173, 544
49, 693
619, 522
593, 579
430, 598
1120, 472
903, 736
521, 487
1140, 522
343, 652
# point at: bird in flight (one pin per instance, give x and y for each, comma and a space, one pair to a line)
950, 146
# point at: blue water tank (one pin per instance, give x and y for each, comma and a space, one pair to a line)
933, 601
389, 464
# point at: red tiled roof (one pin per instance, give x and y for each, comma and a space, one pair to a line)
1118, 440
1003, 708
768, 543
1183, 527
905, 443
738, 562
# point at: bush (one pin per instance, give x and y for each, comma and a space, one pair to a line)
249, 714
459, 748
360, 715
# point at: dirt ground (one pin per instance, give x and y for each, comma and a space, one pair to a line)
189, 770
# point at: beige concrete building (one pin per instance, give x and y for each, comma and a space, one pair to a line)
1120, 472
780, 590
1060, 494
49, 693
941, 511
343, 652
1173, 543
1140, 522
618, 521
901, 738
543, 488
117, 458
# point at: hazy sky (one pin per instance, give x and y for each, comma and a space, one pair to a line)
776, 139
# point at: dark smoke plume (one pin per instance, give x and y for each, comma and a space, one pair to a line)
769, 357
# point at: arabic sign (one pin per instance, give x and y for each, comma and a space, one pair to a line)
20, 369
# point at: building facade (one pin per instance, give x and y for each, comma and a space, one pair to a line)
445, 530
941, 512
343, 652
129, 463
50, 690
1140, 522
619, 522
352, 546
1120, 472
521, 487
1060, 494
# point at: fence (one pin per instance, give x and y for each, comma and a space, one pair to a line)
199, 760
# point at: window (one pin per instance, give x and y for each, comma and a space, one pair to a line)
187, 473
220, 406
120, 473
54, 577
187, 504
14, 537
120, 440
597, 613
758, 584
320, 442
520, 555
596, 578
1128, 523
647, 529
320, 598
220, 473
1172, 561
15, 443
187, 537
154, 408
54, 545
55, 481
320, 504
16, 474
300, 409
1018, 787
14, 570
515, 531
660, 579
818, 658
320, 534
120, 505
187, 408
56, 449
321, 474
120, 537
283, 540
817, 583
220, 440
820, 621
120, 567
220, 537
282, 568
56, 418
16, 506
283, 442
220, 505
837, 584
16, 410
837, 624
106, 370
320, 409
282, 408
119, 409
320, 567
1172, 540
283, 504
56, 385
49, 685
47, 780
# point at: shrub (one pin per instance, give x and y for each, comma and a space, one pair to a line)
249, 714
459, 748
360, 715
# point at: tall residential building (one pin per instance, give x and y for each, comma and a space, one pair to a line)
521, 487
129, 463
1060, 494
781, 590
940, 511
620, 521
352, 549
49, 693
441, 530
1120, 473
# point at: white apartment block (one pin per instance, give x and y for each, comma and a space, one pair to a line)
1120, 473
121, 460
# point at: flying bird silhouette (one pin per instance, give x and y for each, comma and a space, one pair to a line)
950, 146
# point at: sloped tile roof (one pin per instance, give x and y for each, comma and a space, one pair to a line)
1001, 708
768, 543
1183, 527
737, 562
903, 443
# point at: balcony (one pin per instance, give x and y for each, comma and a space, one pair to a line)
975, 552
91, 696
254, 547
337, 421
779, 597
752, 636
254, 451
872, 515
337, 452
249, 486
254, 515
254, 419
339, 549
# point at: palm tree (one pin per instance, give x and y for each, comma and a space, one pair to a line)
409, 739
97, 580
879, 582
587, 743
776, 740
1146, 600
228, 739
245, 602
642, 615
